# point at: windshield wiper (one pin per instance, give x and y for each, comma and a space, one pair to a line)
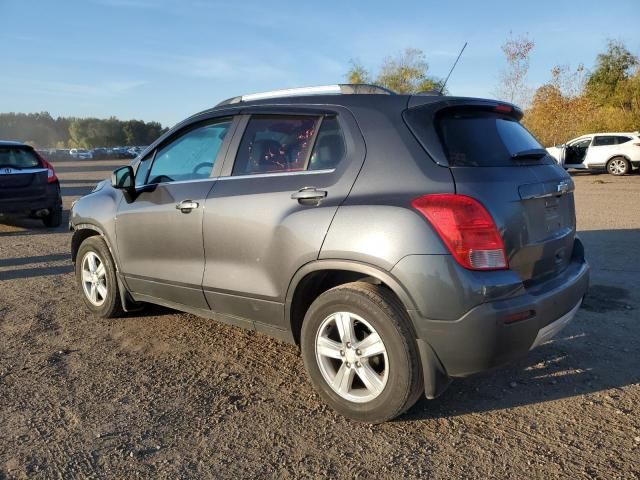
533, 154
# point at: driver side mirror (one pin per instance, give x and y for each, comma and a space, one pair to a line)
123, 179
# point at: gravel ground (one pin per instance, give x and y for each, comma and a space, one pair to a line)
170, 395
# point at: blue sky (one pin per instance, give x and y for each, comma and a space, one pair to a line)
166, 59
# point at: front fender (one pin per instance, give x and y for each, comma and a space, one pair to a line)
97, 212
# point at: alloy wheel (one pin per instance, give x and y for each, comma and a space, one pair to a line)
617, 166
94, 279
352, 357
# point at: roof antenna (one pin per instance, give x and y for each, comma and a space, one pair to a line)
454, 66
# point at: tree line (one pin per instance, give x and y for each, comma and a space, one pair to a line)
43, 131
574, 100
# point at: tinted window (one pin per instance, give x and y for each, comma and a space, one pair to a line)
601, 141
273, 144
329, 149
621, 140
483, 139
190, 156
18, 158
143, 170
581, 143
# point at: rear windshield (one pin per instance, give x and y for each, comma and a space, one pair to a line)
11, 157
485, 139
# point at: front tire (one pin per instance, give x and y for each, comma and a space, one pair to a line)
619, 166
96, 277
360, 352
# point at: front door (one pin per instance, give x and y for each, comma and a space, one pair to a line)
575, 154
159, 233
271, 209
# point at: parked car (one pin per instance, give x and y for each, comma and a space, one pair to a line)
400, 240
28, 184
617, 153
100, 153
80, 154
135, 151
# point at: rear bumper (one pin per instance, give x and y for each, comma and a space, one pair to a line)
483, 338
28, 204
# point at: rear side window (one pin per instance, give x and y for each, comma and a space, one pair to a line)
484, 139
620, 140
18, 158
274, 144
603, 141
329, 149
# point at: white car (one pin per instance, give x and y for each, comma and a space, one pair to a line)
80, 154
617, 153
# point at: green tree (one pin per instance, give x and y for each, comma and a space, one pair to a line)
406, 72
609, 78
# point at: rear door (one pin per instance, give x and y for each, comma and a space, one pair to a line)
498, 162
601, 150
272, 206
23, 181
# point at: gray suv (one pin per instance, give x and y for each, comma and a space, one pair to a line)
399, 240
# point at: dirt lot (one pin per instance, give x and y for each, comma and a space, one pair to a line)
169, 395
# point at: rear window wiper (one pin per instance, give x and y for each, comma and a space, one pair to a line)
533, 154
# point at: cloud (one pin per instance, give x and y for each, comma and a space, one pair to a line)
102, 89
215, 67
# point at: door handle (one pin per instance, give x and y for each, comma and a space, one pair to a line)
186, 206
309, 195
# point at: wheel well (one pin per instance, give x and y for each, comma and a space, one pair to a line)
80, 236
316, 283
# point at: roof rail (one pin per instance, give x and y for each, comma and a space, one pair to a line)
338, 89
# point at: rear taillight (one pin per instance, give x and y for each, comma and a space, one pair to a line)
51, 173
637, 144
466, 228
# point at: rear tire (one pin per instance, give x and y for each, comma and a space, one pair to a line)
342, 373
619, 166
96, 277
54, 218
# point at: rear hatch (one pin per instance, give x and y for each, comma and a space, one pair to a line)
495, 160
22, 177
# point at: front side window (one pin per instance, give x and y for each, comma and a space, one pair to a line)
143, 170
191, 156
584, 143
274, 144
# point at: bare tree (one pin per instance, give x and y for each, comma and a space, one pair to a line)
513, 81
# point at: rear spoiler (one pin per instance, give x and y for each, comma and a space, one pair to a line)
435, 104
421, 113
